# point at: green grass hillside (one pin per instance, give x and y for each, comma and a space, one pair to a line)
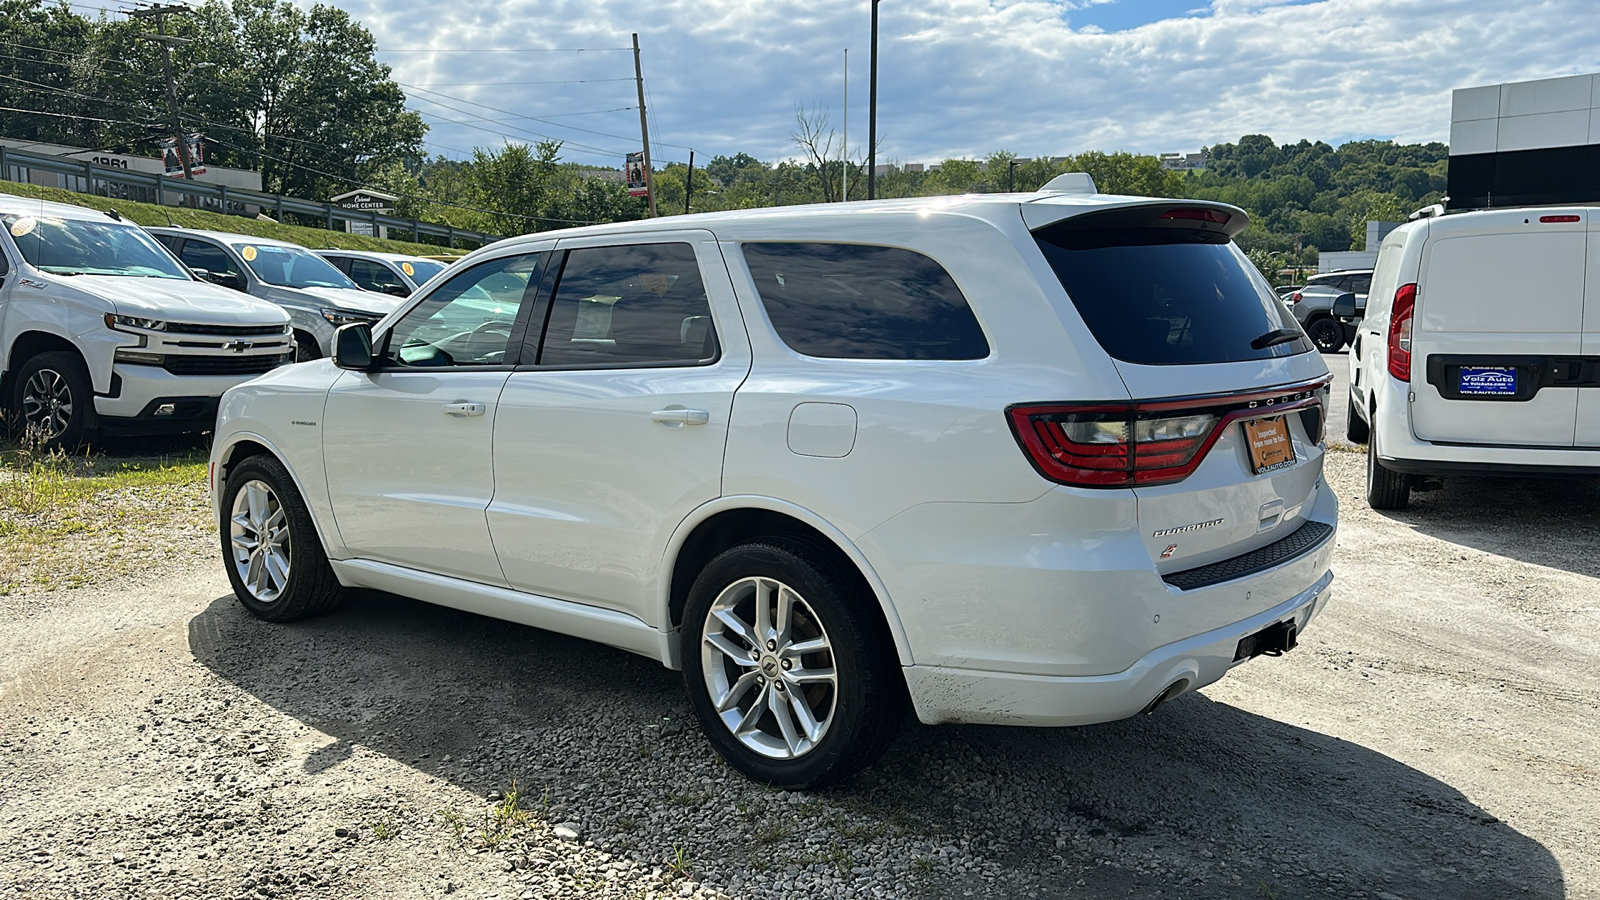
151, 214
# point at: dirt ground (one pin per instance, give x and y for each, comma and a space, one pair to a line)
1436, 735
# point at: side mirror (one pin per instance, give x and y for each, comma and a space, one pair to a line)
224, 279
396, 290
352, 347
1344, 306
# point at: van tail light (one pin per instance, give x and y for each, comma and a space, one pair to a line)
1400, 317
1110, 445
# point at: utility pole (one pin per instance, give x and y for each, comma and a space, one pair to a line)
160, 13
688, 184
644, 127
872, 113
844, 186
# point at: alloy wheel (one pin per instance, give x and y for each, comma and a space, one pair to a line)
259, 538
769, 668
47, 403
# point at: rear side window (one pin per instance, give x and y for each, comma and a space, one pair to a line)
1169, 296
847, 301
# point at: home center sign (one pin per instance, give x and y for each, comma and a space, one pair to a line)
365, 201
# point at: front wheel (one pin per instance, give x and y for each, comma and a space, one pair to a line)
789, 666
274, 558
54, 400
305, 347
1326, 334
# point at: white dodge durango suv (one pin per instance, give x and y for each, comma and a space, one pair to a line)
1033, 459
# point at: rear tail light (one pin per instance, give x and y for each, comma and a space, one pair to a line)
1147, 443
1405, 304
1198, 214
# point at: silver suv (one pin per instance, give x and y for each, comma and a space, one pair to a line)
1313, 307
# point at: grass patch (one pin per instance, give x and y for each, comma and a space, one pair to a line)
153, 214
67, 520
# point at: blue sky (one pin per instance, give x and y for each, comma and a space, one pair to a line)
962, 77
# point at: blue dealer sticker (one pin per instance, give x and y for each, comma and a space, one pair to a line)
1494, 381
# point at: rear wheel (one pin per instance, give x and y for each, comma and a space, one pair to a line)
275, 560
1386, 489
1326, 334
53, 400
788, 665
1356, 429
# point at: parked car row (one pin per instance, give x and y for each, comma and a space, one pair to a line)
110, 328
1313, 306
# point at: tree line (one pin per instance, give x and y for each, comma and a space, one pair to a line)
298, 95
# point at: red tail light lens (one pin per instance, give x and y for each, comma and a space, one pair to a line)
1405, 304
1150, 442
1197, 214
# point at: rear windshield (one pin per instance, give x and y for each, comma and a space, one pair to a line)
1169, 296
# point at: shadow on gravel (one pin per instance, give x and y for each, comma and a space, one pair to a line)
1546, 521
1199, 800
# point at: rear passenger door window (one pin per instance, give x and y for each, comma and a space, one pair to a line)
376, 277
632, 306
849, 301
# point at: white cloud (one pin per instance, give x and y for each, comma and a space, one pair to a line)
963, 77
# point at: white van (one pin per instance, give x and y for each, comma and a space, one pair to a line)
1480, 350
102, 330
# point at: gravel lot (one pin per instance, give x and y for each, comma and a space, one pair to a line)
1435, 736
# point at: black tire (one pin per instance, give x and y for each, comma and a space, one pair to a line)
310, 587
1356, 428
868, 696
305, 347
1386, 489
1326, 334
52, 393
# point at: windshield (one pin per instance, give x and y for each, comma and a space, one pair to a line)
1167, 296
294, 267
88, 247
421, 269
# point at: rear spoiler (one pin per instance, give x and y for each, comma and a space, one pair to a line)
1137, 212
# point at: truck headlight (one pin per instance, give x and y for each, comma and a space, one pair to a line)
338, 317
126, 323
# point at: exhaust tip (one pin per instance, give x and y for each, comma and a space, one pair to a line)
1173, 690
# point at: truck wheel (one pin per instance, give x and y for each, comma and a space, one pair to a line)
1326, 334
1386, 489
1355, 428
274, 558
54, 399
305, 347
790, 672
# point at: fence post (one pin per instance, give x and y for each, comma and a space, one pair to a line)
280, 208
329, 208
5, 167
88, 177
416, 235
376, 231
450, 234
222, 190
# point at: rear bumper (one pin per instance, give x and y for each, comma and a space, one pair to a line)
1402, 451
943, 694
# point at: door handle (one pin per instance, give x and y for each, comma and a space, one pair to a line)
465, 410
676, 417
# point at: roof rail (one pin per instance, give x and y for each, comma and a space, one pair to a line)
1427, 212
1070, 183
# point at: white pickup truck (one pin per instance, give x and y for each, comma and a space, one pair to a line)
103, 331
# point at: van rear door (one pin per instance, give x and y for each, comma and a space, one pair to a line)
1588, 430
1498, 323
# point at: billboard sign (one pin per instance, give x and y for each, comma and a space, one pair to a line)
638, 178
173, 163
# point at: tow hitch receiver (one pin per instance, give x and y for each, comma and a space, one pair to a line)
1274, 640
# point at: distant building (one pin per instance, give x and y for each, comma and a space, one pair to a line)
1183, 162
18, 170
1339, 260
1525, 143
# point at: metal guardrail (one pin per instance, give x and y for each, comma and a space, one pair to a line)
225, 196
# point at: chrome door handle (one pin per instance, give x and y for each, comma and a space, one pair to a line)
465, 410
677, 417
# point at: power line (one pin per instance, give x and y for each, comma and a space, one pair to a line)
507, 50
508, 112
525, 131
514, 83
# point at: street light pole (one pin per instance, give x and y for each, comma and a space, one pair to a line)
872, 113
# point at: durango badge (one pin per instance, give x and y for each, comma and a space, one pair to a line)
1182, 529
